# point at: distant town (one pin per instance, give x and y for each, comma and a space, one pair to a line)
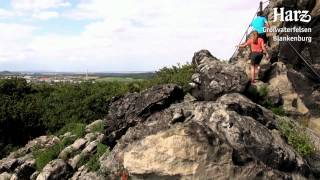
66, 77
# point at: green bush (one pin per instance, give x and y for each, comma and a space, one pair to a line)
258, 94
180, 75
279, 111
298, 139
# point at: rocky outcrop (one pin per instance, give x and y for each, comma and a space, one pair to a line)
56, 169
232, 137
161, 133
279, 83
215, 78
124, 114
84, 174
21, 164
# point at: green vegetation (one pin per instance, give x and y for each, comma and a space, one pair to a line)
98, 128
298, 139
259, 95
44, 156
119, 79
278, 111
93, 163
77, 129
180, 75
37, 109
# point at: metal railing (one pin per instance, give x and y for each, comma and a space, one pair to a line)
247, 30
305, 62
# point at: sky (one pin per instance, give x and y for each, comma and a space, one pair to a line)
117, 35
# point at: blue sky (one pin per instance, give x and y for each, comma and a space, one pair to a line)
116, 35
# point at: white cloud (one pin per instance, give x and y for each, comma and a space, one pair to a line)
45, 15
5, 13
15, 38
37, 5
136, 34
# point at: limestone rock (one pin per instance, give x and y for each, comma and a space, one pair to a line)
5, 176
215, 78
55, 170
230, 138
84, 174
79, 144
133, 108
279, 83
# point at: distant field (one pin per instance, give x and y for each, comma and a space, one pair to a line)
119, 79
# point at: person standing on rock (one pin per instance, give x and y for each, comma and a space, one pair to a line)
257, 50
259, 24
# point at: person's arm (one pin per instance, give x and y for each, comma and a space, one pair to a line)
244, 44
265, 50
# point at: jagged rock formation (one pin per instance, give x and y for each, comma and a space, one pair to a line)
218, 132
231, 137
124, 114
22, 163
215, 78
161, 133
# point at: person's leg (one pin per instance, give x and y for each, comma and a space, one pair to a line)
252, 68
257, 68
252, 73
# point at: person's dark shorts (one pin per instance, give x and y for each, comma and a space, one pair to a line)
256, 58
264, 37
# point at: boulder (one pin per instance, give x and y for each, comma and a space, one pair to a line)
79, 144
214, 78
34, 175
279, 83
133, 108
74, 162
84, 174
230, 138
90, 148
55, 170
66, 153
5, 176
8, 164
26, 169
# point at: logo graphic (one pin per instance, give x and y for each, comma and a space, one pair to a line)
290, 15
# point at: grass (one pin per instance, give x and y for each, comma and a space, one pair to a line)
99, 127
43, 157
279, 111
295, 136
258, 93
77, 129
93, 163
